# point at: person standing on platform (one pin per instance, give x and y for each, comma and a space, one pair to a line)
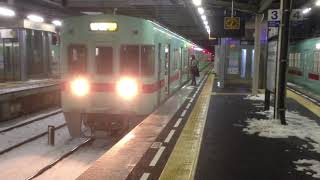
194, 70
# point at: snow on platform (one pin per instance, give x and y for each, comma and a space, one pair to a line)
299, 126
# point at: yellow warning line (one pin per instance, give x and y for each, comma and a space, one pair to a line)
304, 102
183, 160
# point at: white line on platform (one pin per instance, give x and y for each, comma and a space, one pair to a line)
191, 100
313, 100
167, 140
157, 156
183, 113
145, 176
188, 106
178, 122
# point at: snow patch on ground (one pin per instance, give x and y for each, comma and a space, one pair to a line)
258, 97
23, 133
311, 167
298, 126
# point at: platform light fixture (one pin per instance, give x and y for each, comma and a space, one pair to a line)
203, 17
201, 10
35, 18
306, 10
6, 12
318, 46
317, 3
197, 2
57, 22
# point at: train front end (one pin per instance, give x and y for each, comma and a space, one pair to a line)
103, 84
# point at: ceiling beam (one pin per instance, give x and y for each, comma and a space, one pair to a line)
243, 7
265, 4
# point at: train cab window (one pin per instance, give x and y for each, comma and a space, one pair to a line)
129, 60
147, 60
77, 60
104, 60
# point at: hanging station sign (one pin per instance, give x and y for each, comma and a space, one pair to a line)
231, 23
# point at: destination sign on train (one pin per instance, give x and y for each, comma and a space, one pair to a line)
104, 26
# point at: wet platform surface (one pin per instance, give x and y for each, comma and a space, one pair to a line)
229, 152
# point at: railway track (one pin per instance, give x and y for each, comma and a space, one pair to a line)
31, 121
65, 155
28, 140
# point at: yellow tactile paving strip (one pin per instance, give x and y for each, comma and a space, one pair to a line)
183, 160
304, 102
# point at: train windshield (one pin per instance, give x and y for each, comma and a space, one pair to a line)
129, 60
104, 60
77, 60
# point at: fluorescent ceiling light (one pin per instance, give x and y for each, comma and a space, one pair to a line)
318, 3
57, 23
200, 10
35, 18
205, 22
7, 12
306, 10
318, 46
203, 17
197, 2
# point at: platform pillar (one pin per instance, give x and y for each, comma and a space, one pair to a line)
257, 48
281, 78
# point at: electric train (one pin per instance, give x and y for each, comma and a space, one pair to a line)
304, 64
115, 67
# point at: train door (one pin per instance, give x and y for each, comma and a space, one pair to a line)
10, 58
159, 74
306, 56
167, 69
181, 66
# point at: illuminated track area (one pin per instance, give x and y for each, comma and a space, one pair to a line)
25, 148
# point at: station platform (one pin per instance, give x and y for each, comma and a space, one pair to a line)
18, 86
218, 133
18, 98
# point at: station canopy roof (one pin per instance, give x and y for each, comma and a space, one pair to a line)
180, 16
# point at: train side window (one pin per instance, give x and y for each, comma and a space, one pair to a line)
104, 60
77, 59
147, 60
129, 60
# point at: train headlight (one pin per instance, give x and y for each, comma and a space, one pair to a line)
127, 88
80, 87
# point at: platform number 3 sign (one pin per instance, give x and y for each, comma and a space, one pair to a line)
274, 15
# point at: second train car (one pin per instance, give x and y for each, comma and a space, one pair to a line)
115, 67
304, 64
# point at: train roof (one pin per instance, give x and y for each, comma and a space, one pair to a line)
130, 18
